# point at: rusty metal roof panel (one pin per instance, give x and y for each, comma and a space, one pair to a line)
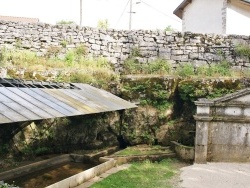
19, 104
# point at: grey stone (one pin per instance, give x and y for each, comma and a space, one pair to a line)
173, 46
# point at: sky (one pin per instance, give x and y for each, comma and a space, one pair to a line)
149, 14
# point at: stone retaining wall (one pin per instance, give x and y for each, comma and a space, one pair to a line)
118, 45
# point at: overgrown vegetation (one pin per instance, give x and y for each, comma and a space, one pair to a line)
159, 66
221, 69
243, 50
150, 91
185, 70
162, 98
75, 66
146, 174
190, 90
169, 28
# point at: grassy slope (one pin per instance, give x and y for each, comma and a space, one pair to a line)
146, 174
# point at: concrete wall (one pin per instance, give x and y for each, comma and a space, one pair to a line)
238, 18
229, 141
204, 17
117, 45
86, 175
223, 129
185, 153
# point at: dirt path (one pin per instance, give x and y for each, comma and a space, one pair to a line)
216, 175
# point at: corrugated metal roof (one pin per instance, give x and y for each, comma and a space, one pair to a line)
19, 104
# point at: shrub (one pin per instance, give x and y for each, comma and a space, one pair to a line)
133, 66
243, 50
185, 70
70, 57
64, 43
220, 69
81, 50
52, 51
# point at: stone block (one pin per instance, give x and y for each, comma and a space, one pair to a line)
200, 154
233, 111
95, 47
177, 52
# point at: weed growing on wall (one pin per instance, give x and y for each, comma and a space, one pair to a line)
65, 22
243, 50
53, 51
150, 91
159, 66
185, 70
64, 43
220, 69
103, 24
135, 52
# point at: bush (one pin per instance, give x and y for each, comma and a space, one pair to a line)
185, 70
243, 50
133, 66
215, 70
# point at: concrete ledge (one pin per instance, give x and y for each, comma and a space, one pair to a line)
153, 157
93, 157
86, 175
185, 153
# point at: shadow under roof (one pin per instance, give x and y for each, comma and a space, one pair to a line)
29, 100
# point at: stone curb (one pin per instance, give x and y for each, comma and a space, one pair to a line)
103, 175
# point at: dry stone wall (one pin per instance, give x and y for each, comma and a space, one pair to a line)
118, 45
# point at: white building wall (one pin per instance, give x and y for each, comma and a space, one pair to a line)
238, 18
204, 16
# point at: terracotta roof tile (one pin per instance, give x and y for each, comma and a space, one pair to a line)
19, 19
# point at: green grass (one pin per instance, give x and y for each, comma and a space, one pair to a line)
142, 175
141, 151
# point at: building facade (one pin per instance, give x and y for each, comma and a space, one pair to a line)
215, 16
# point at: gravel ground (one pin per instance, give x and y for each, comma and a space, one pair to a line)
216, 175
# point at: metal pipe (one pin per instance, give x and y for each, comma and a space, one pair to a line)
130, 15
80, 12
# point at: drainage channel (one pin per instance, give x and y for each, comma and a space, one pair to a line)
51, 175
69, 170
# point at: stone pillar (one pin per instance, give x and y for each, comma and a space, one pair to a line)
201, 142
